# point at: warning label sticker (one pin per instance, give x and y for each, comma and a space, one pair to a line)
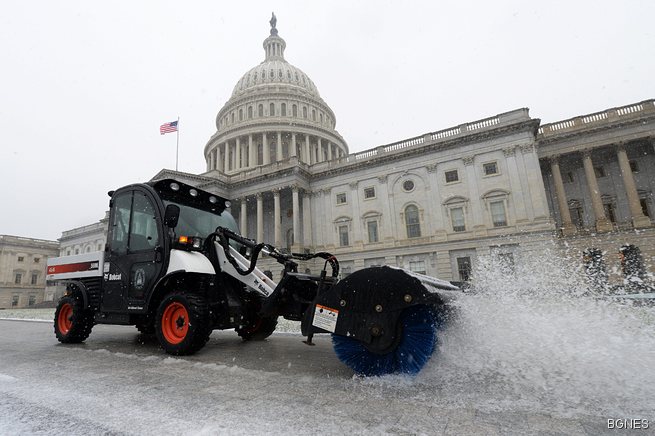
325, 318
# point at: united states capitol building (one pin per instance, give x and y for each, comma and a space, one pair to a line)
505, 185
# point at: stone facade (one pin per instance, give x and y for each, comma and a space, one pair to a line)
23, 270
504, 185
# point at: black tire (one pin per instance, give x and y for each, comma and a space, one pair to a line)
183, 324
259, 329
73, 323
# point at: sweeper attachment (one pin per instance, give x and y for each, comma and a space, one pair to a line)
175, 265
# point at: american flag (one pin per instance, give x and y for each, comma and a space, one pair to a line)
168, 127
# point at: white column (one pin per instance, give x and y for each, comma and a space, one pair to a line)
237, 159
218, 157
357, 235
308, 151
329, 145
244, 217
565, 214
226, 166
252, 155
278, 152
639, 220
266, 151
296, 215
307, 220
320, 151
260, 217
292, 151
515, 184
276, 218
476, 209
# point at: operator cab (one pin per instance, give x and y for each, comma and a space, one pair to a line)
147, 221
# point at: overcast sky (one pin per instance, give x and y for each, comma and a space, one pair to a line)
85, 85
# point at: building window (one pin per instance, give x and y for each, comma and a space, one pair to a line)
304, 111
240, 114
490, 168
341, 198
408, 185
232, 117
412, 221
343, 236
457, 219
18, 278
634, 167
418, 267
644, 206
498, 215
35, 277
464, 268
599, 171
577, 213
68, 252
260, 110
271, 109
283, 109
14, 300
37, 259
320, 118
77, 251
31, 300
249, 112
609, 212
313, 114
369, 193
452, 176
372, 228
294, 110
21, 258
569, 177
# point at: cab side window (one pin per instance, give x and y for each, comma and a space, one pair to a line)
121, 222
143, 228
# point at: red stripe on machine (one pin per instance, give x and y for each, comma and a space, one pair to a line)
73, 267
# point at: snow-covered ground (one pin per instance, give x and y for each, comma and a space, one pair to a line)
529, 352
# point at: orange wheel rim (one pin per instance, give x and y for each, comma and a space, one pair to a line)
65, 318
175, 323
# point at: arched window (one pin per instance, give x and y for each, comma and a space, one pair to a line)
294, 110
260, 110
249, 112
271, 110
320, 118
283, 109
232, 117
304, 111
240, 114
313, 114
412, 221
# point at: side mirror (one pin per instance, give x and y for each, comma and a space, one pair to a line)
171, 215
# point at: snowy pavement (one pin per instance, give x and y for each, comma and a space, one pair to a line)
119, 382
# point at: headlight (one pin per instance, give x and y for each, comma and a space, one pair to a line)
189, 242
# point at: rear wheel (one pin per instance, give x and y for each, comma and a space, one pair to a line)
259, 329
73, 323
417, 337
182, 324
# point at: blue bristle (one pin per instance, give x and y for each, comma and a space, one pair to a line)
414, 350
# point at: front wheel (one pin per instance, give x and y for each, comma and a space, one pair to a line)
73, 323
182, 324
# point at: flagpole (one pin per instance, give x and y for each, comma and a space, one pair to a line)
177, 147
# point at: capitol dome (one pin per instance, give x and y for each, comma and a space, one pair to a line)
275, 114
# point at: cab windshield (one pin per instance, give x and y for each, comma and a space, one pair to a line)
198, 222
